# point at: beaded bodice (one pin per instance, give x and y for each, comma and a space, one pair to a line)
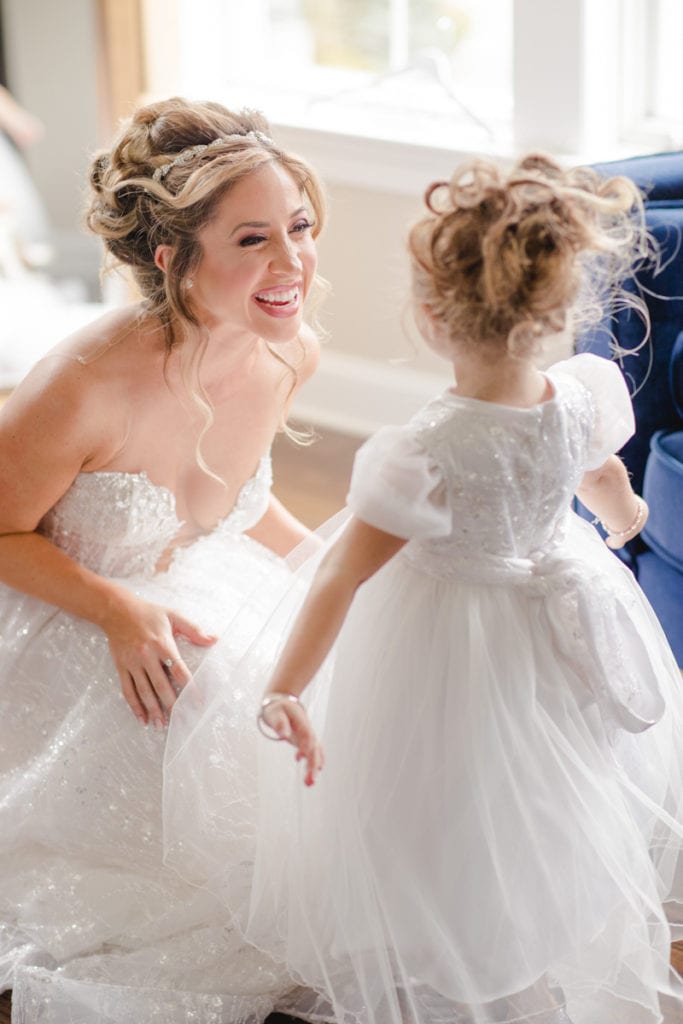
509, 473
122, 524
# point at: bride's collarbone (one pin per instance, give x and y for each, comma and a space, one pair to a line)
204, 463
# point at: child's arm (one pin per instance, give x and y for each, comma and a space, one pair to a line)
607, 492
354, 558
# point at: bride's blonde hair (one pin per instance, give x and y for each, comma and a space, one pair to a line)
504, 258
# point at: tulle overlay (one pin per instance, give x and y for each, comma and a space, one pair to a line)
93, 928
496, 834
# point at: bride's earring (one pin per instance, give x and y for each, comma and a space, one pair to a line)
189, 282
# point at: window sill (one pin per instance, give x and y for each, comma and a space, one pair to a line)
392, 166
400, 167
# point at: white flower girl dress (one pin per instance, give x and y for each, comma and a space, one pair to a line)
495, 836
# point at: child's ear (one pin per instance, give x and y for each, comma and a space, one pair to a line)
426, 312
433, 331
429, 325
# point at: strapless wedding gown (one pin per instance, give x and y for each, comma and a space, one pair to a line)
93, 927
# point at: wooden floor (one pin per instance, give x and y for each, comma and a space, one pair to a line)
312, 481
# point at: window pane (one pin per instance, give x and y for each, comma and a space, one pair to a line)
477, 37
470, 40
652, 72
434, 70
352, 34
667, 64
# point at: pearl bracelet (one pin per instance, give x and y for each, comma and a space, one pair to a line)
631, 530
272, 698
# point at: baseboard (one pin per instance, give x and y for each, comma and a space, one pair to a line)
356, 396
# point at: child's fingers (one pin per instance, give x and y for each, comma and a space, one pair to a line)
310, 751
290, 722
314, 764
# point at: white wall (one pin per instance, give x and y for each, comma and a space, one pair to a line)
51, 66
363, 255
374, 368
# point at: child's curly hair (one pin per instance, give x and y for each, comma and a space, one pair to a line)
503, 259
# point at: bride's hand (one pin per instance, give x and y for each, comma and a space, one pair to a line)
142, 643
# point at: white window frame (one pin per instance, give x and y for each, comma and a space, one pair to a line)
575, 49
652, 99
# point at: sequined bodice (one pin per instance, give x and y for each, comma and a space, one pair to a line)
121, 524
510, 475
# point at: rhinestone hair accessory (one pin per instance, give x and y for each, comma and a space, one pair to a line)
191, 152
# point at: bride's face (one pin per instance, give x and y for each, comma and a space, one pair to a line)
258, 258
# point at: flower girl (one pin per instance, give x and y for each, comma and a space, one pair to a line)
495, 835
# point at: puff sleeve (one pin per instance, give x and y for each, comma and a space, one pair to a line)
614, 422
396, 486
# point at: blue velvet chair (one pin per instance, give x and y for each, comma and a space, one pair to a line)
654, 456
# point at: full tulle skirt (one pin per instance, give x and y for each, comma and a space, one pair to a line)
487, 843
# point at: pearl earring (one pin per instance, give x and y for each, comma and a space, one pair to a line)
189, 282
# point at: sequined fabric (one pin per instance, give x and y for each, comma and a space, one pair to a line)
93, 927
505, 500
509, 490
120, 524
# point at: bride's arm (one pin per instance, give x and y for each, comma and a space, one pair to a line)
52, 427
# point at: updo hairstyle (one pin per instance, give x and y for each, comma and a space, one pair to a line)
502, 259
134, 213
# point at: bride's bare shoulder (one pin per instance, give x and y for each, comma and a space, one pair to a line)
107, 353
82, 386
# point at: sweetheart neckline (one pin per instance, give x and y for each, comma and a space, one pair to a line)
161, 488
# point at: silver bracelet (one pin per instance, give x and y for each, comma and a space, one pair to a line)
633, 528
272, 698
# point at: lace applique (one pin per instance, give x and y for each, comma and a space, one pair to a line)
121, 524
252, 500
117, 524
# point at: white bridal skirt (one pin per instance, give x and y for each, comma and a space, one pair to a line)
94, 929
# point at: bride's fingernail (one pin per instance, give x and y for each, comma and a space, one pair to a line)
159, 724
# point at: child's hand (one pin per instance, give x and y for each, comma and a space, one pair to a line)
287, 719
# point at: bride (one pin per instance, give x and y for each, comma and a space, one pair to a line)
136, 522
